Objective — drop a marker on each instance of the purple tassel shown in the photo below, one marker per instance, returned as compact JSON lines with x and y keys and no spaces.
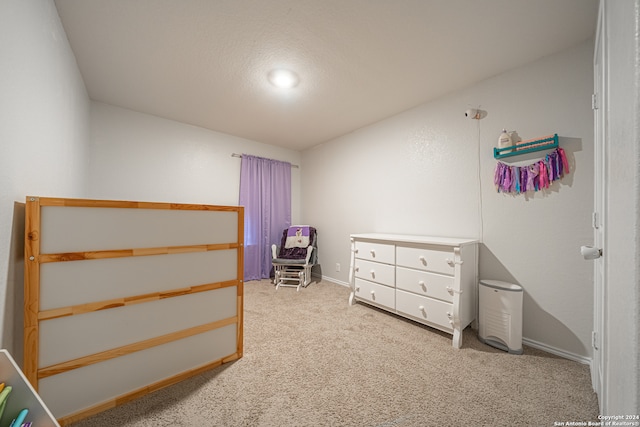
{"x":535,"y":177}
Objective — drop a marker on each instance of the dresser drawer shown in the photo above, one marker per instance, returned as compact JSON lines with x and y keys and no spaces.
{"x":378,"y":252}
{"x":424,"y":309}
{"x":375,"y":293}
{"x":430,"y":259}
{"x":375,"y":272}
{"x":425,"y":283}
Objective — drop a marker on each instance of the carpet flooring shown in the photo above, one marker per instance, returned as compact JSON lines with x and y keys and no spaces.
{"x":310,"y":359}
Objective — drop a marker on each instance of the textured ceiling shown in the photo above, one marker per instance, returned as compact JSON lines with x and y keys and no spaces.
{"x":205,"y":62}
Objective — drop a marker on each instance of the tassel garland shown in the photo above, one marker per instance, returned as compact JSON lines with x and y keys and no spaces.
{"x":534,"y":177}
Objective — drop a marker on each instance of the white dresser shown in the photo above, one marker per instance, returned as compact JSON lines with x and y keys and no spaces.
{"x":431,"y":280}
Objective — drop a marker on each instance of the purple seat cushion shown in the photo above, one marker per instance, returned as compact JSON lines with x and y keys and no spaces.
{"x":295,"y":253}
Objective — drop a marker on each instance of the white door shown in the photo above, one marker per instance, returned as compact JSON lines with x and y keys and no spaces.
{"x":599,"y":214}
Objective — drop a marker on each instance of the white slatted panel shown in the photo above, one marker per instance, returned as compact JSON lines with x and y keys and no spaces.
{"x":81,"y":388}
{"x":71,"y":283}
{"x":83,"y":229}
{"x":71,"y":337}
{"x":127,"y":292}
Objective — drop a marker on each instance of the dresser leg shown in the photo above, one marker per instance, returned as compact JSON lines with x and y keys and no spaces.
{"x":351,"y":298}
{"x":457,"y":338}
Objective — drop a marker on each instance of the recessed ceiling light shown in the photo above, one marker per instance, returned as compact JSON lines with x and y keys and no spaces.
{"x":283,"y":78}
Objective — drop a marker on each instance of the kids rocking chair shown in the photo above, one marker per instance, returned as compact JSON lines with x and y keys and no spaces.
{"x":293,"y":259}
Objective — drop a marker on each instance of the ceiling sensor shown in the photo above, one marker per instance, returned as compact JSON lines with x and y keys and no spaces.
{"x":284,"y":79}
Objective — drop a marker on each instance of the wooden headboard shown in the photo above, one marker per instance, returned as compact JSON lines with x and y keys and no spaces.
{"x":123,"y":298}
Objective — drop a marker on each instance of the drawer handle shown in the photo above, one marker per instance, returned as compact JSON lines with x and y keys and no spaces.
{"x":357,"y":268}
{"x":373,"y":295}
{"x":452,"y":262}
{"x":358,"y":289}
{"x":422,"y":285}
{"x":373,"y":253}
{"x":422,"y":259}
{"x":373,"y":273}
{"x":421,"y":307}
{"x":450,"y":318}
{"x":452,"y":291}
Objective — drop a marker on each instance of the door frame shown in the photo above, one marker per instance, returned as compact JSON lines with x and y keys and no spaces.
{"x":601,"y":146}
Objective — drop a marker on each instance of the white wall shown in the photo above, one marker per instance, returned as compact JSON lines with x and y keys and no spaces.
{"x":622,"y":308}
{"x":136,"y":156}
{"x":44,"y":111}
{"x":418,"y":173}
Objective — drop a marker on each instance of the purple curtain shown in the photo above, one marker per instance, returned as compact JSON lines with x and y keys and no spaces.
{"x":265,"y":193}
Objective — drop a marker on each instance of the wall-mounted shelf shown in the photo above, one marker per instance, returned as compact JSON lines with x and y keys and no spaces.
{"x":546,"y":143}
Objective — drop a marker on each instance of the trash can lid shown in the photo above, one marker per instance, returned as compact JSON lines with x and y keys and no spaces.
{"x":501,"y":285}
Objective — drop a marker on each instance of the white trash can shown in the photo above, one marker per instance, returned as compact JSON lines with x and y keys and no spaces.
{"x":500,"y":315}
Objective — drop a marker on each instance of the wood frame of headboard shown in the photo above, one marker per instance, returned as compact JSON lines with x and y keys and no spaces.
{"x":94,"y":304}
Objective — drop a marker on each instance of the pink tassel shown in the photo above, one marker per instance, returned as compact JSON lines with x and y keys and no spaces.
{"x":543,"y":176}
{"x":565,"y":162}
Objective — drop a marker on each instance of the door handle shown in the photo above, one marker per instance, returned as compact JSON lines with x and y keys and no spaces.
{"x":589,"y":252}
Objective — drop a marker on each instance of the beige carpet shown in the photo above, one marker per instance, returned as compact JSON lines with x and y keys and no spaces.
{"x":312,"y":360}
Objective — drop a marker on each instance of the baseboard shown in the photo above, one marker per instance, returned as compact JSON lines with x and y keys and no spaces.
{"x":553,"y":350}
{"x":332,"y":280}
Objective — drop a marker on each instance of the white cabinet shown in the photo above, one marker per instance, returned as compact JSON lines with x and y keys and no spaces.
{"x":431,"y":280}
